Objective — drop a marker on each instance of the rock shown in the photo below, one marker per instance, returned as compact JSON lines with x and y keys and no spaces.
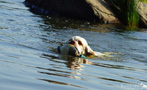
{"x":102,"y":10}
{"x":95,"y":10}
{"x":142,"y":10}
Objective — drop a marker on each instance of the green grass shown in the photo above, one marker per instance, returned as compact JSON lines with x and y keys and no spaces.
{"x":126,"y":11}
{"x":132,"y":14}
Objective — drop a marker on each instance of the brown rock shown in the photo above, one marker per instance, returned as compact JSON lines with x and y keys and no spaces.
{"x":142,"y":9}
{"x":103,"y":11}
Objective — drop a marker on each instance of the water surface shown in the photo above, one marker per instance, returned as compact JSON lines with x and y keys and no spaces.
{"x":28,"y":60}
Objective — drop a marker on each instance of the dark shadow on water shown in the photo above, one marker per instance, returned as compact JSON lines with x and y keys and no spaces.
{"x":67,"y":23}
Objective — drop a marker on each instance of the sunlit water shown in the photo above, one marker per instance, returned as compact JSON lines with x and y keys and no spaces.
{"x":28,"y":60}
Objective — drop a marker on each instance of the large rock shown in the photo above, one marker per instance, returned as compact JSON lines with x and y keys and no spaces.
{"x":142,"y":9}
{"x":103,"y":11}
{"x":97,"y":10}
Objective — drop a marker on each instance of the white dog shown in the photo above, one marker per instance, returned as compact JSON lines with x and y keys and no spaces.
{"x":80,"y":45}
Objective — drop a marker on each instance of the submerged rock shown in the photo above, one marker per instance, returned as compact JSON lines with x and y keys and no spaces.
{"x":96,"y":10}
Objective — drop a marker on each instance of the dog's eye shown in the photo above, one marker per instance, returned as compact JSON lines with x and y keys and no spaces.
{"x":80,"y":43}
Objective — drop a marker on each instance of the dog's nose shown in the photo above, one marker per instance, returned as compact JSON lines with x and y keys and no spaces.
{"x":72,"y":42}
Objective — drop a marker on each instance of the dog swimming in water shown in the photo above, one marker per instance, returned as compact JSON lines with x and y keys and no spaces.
{"x":77,"y":46}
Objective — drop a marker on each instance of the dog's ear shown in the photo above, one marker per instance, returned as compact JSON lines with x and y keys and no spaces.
{"x":89,"y":51}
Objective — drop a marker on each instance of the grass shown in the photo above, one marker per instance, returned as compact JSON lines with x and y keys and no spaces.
{"x":132,"y":14}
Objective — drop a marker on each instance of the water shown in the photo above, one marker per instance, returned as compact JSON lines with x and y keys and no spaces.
{"x":28,"y":60}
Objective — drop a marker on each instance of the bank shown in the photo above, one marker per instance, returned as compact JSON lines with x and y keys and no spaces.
{"x":92,"y":10}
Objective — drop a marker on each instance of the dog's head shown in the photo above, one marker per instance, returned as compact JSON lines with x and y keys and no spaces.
{"x":81,"y":44}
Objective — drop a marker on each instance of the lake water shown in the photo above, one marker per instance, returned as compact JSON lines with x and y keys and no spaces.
{"x":28,"y":60}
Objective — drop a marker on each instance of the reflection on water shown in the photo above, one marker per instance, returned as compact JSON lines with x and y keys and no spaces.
{"x":28,"y":57}
{"x":73,"y":63}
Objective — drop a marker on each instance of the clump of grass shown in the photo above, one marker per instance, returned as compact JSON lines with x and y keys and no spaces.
{"x":132,"y":14}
